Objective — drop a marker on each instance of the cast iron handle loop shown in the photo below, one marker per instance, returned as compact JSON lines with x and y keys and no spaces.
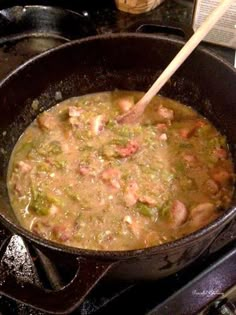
{"x":221,"y":240}
{"x":150,"y":26}
{"x":62,"y":301}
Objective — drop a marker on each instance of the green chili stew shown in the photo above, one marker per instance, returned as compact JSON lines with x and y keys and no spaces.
{"x":79,"y":178}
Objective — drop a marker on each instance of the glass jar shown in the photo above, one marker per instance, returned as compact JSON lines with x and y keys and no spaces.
{"x":137,"y":6}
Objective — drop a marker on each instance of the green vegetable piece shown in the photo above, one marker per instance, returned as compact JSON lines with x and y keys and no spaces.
{"x":164,"y":210}
{"x":40,"y":204}
{"x":109,"y":151}
{"x":49,"y":149}
{"x":180,"y":167}
{"x":204,"y":131}
{"x":217,"y":142}
{"x":211,"y":159}
{"x":25,"y":148}
{"x":167,"y":176}
{"x":188,"y":183}
{"x":55,"y":148}
{"x":111,"y":124}
{"x":56,"y":201}
{"x":145,"y":209}
{"x":63,"y":115}
{"x":74,"y":196}
{"x":125,"y":131}
{"x":34,"y":191}
{"x":59,"y":164}
{"x":80,"y":135}
{"x":34,"y":155}
{"x":86,"y":148}
{"x":119,"y":141}
{"x":185,"y":145}
{"x":43,"y":167}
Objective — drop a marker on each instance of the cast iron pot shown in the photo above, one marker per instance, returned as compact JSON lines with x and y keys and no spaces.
{"x":104,"y":63}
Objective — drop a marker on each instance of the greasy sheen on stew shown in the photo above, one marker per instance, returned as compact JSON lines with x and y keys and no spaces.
{"x":79,"y":178}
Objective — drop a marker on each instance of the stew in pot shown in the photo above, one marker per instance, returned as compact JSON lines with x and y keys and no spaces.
{"x":79,"y":178}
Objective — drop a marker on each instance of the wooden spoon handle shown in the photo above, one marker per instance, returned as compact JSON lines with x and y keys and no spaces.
{"x":187,"y":49}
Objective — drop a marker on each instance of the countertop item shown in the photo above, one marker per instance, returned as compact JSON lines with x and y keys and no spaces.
{"x":137,"y":6}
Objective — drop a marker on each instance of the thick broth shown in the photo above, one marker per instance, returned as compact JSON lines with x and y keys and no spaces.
{"x":79,"y":178}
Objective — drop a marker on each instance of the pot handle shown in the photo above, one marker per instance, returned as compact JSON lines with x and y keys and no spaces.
{"x":225,"y":237}
{"x":150,"y":26}
{"x":62,"y":301}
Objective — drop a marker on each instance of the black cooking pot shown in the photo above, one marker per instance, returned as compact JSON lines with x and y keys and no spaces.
{"x":103,"y":63}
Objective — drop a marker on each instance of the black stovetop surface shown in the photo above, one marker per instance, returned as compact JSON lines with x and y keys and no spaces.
{"x":116,"y":298}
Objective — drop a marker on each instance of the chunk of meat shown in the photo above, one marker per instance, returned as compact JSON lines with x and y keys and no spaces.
{"x":148,"y":200}
{"x":128,"y":219}
{"x":125,"y":104}
{"x":190,"y":159}
{"x":75,"y":122}
{"x":131,"y":148}
{"x":74,"y":111}
{"x":161,"y":127}
{"x":131,"y":194}
{"x":165,"y":113}
{"x":202,"y":208}
{"x":179,"y":213}
{"x":41,"y":228}
{"x":220,"y":153}
{"x":63,"y":232}
{"x":187,"y":132}
{"x":212,"y":186}
{"x":65,"y":147}
{"x":151,"y":238}
{"x":202,"y":214}
{"x":200,"y":123}
{"x":137,"y":227}
{"x":19,"y":188}
{"x":20,"y":178}
{"x":163,"y":137}
{"x":221,"y":177}
{"x":110,"y":173}
{"x":47,"y":121}
{"x":83,"y":170}
{"x":111,"y":176}
{"x":53,"y":210}
{"x":68,"y":134}
{"x":24,"y":167}
{"x":97,"y":124}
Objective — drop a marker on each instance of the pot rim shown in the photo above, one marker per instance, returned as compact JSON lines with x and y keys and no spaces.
{"x":217,"y":224}
{"x":76,"y":42}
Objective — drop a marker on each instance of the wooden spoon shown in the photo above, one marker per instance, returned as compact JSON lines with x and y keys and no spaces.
{"x":136,"y":112}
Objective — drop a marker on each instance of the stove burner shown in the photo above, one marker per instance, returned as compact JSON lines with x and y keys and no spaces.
{"x":30,"y":30}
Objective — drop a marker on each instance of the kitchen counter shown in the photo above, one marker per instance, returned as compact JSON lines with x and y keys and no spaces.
{"x":169,"y":13}
{"x":177,"y":13}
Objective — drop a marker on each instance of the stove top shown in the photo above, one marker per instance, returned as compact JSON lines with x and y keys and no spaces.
{"x":20,"y":39}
